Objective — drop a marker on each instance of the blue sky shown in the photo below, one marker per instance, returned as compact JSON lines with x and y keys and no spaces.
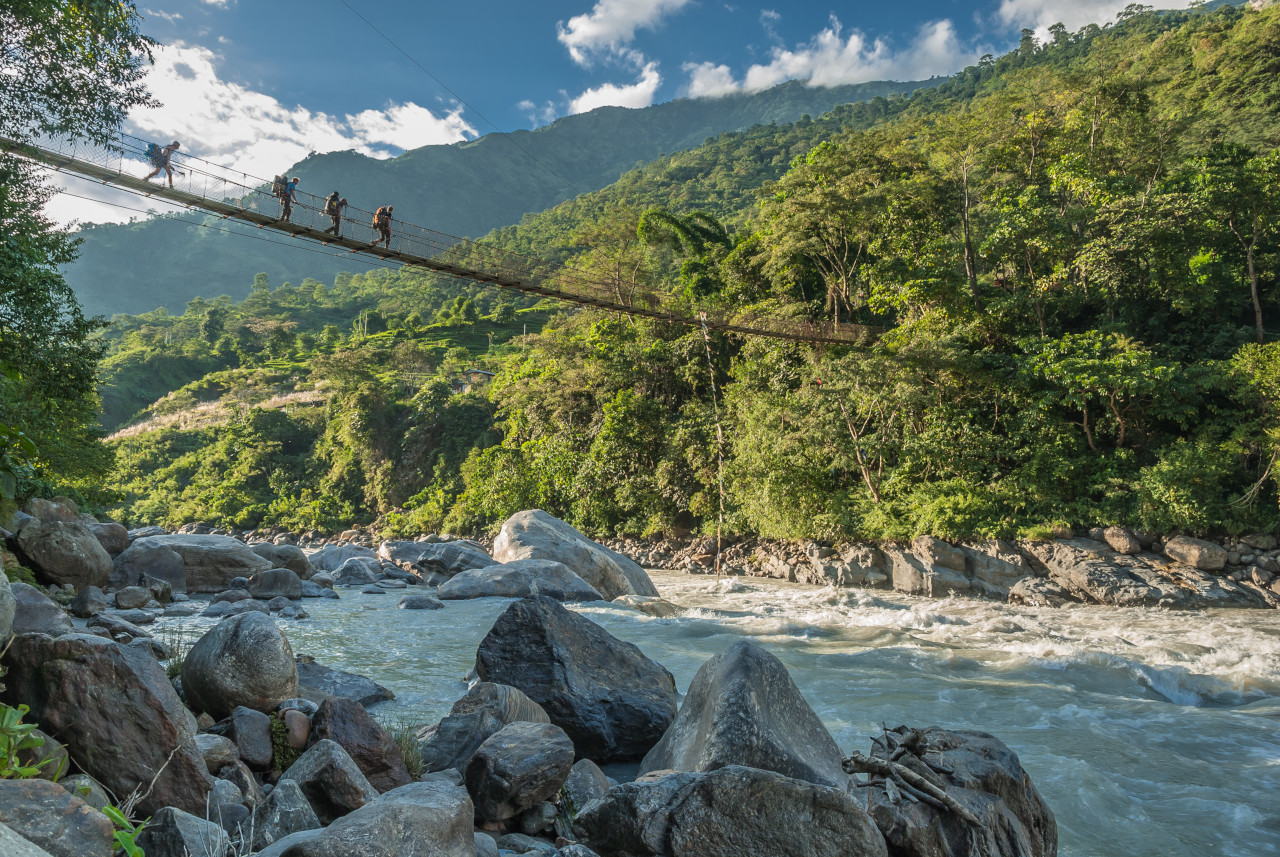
{"x":259,"y":84}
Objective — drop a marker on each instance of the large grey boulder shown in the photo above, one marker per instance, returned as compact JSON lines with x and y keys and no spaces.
{"x":444,"y":559}
{"x":614,"y":702}
{"x":371,"y":747}
{"x":147,"y":559}
{"x":519,"y":579}
{"x":916,"y":576}
{"x":730,"y":812}
{"x":276,"y":583}
{"x":209,"y":562}
{"x":332,"y":557}
{"x":65,"y":552}
{"x":995,"y":566}
{"x":932,"y":551}
{"x":113,"y":537}
{"x":585,"y":783}
{"x":37,"y":613}
{"x":534,"y":534}
{"x":485,"y":709}
{"x":243,"y":660}
{"x":357,"y":571}
{"x":330,"y":781}
{"x":49,"y":816}
{"x":316,"y":681}
{"x":517,"y":768}
{"x":1196,"y":553}
{"x":285,"y":556}
{"x":427,"y":819}
{"x":8,"y":605}
{"x":116,"y":712}
{"x":984,"y":776}
{"x":285,"y":811}
{"x":1122,"y":540}
{"x":174,"y":833}
{"x":742,"y":708}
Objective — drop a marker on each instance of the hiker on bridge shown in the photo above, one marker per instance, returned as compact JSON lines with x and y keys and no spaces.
{"x":285,"y":190}
{"x":160,"y":157}
{"x":333,"y":207}
{"x":382,"y":225}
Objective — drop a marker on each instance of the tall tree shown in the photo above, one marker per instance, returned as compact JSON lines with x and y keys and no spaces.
{"x":68,"y":68}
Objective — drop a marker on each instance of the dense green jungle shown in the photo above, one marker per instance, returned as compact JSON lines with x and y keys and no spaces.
{"x":1070,"y":254}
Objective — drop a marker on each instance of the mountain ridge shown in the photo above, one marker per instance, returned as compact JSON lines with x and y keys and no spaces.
{"x":466,"y":189}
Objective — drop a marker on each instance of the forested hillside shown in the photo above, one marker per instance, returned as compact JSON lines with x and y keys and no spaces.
{"x":465,"y":189}
{"x":1072,"y":251}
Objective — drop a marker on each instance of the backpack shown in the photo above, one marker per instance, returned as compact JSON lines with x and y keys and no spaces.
{"x":278,"y":186}
{"x":381,"y":218}
{"x":331,"y":204}
{"x":155,"y":155}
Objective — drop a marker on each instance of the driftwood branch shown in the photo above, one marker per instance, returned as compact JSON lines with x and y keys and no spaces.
{"x":892,"y":771}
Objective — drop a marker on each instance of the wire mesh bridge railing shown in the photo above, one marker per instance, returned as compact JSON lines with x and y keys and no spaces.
{"x":230,"y":193}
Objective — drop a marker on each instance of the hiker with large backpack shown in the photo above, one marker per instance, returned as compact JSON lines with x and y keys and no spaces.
{"x":160,"y":157}
{"x":284,"y":189}
{"x":382,"y":226}
{"x":333,"y":207}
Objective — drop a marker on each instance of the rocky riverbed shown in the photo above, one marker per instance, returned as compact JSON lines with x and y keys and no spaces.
{"x":724,"y":712}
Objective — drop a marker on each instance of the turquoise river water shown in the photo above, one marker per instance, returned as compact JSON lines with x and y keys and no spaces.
{"x":1148,"y":732}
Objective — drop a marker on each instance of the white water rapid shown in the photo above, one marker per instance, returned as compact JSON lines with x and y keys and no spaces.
{"x":1147,"y":732}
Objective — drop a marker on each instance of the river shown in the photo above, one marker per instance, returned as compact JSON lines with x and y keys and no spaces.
{"x":1148,"y":732}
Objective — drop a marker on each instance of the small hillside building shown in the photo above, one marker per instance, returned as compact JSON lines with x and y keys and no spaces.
{"x":471,"y":379}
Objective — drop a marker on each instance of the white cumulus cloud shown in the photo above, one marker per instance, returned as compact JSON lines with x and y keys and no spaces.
{"x":638,"y":94}
{"x":237,"y":127}
{"x":834,"y":57}
{"x":229,"y":123}
{"x":611,"y":25}
{"x":1074,"y":14}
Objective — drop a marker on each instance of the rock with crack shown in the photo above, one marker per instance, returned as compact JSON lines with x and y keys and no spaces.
{"x":742,"y":708}
{"x":613,"y":702}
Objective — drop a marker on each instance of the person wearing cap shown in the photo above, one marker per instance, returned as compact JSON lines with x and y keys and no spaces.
{"x":333,"y":207}
{"x":161,"y":161}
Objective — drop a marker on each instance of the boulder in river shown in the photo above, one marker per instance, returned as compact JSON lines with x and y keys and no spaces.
{"x":485,"y":709}
{"x":276,"y":583}
{"x":534,"y":534}
{"x":519,"y":579}
{"x":432,"y":818}
{"x":983,"y":776}
{"x":371,"y":747}
{"x":730,"y":812}
{"x":243,"y":660}
{"x":916,"y":576}
{"x":443,"y":558}
{"x":614,"y":702}
{"x":517,"y":768}
{"x":117,"y":713}
{"x":208,"y":562}
{"x":65,"y":552}
{"x":316,"y":681}
{"x":285,"y":556}
{"x":113,"y":537}
{"x":357,"y":571}
{"x":332,"y":557}
{"x":35,"y":612}
{"x":742,"y":708}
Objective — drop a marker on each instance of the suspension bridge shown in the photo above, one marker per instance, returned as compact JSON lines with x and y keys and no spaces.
{"x":230,"y":194}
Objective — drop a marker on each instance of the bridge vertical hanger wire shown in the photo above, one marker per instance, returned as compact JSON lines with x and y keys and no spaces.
{"x":715,"y":409}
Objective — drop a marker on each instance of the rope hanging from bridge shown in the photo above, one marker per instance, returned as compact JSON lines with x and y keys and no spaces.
{"x":230,"y":193}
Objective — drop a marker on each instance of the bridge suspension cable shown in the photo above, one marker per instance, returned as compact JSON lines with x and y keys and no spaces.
{"x":238,"y":195}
